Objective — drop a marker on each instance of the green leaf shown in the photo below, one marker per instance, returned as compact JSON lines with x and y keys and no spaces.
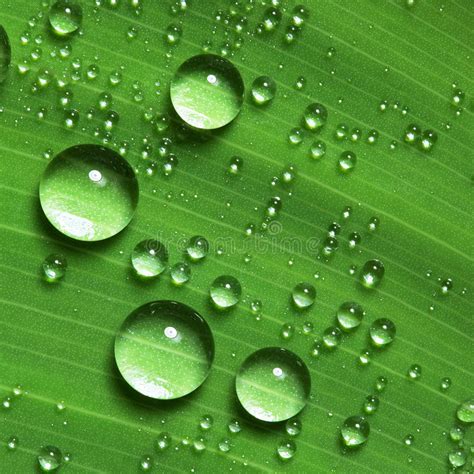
{"x":56,"y":340}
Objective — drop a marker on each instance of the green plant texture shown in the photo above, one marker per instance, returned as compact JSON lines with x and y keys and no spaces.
{"x":282,"y":198}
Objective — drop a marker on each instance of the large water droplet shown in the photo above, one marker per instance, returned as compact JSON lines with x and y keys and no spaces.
{"x":225,"y":291}
{"x":207,"y":91}
{"x":349,"y":315}
{"x":355,"y":431}
{"x":65,"y":16}
{"x":382,"y":332}
{"x":263,"y":90}
{"x":164,"y":350}
{"x":372,"y":273}
{"x":149,"y":258}
{"x":49,"y":458}
{"x":273,"y":384}
{"x":5,"y":54}
{"x":89,"y":192}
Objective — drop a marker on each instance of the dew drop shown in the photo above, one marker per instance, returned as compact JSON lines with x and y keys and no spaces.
{"x":197,"y":247}
{"x":457,"y":458}
{"x":456,"y":433}
{"x":372,"y":273}
{"x":303,"y":295}
{"x":164,"y":350}
{"x":287,"y":331}
{"x":207,"y":92}
{"x":149,"y":258}
{"x":234,"y":426}
{"x":206,"y":422}
{"x":89,"y":192}
{"x":374,"y":223}
{"x":146,"y":463}
{"x":412,"y":133}
{"x":224,"y":445}
{"x":65,"y":17}
{"x":273,"y":384}
{"x":355,"y":431}
{"x":414,"y":372}
{"x":5,"y":54}
{"x":235,"y":165}
{"x":163,"y":441}
{"x":371,"y":404}
{"x":54,"y":267}
{"x":332,"y":337}
{"x":263,"y":90}
{"x":49,"y":458}
{"x":12,"y":443}
{"x":180,"y":273}
{"x":382,"y":332}
{"x":428,"y":140}
{"x":408,"y":440}
{"x":347,"y":161}
{"x":225,"y":291}
{"x":465,"y":411}
{"x":445,"y":384}
{"x":293,"y":427}
{"x":315,"y":116}
{"x":286,"y":450}
{"x":380,"y":383}
{"x":318,"y":149}
{"x":349,"y":315}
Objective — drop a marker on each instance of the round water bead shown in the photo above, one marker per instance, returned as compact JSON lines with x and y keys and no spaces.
{"x":349,"y":315}
{"x":225,"y":291}
{"x":355,"y":431}
{"x":347,"y":161}
{"x":303,"y":295}
{"x":65,"y":16}
{"x":207,"y":92}
{"x":164,"y":350}
{"x":198,"y":247}
{"x":414,"y":372}
{"x":163,"y":441}
{"x":315,"y":116}
{"x":54,"y":267}
{"x":263,"y":90}
{"x":180,"y":273}
{"x":465,"y":411}
{"x":382,"y":332}
{"x":318,"y":149}
{"x":332,"y":337}
{"x":5,"y":54}
{"x":286,"y":450}
{"x":371,"y":404}
{"x":293,"y":427}
{"x":273,"y":384}
{"x":457,"y":458}
{"x":372,"y":273}
{"x":149,"y":258}
{"x":49,"y":458}
{"x":89,"y":192}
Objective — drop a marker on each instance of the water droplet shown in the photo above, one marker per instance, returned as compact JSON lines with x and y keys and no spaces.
{"x":263,"y":90}
{"x":355,"y":431}
{"x":303,"y":295}
{"x":173,"y":34}
{"x":234,"y":426}
{"x":149,"y":258}
{"x":12,"y":443}
{"x":414,"y":372}
{"x":456,"y":433}
{"x":49,"y":458}
{"x":293,"y":427}
{"x":465,"y":411}
{"x":428,"y":140}
{"x":54,"y":267}
{"x":446,"y":286}
{"x":207,"y":92}
{"x":197,"y":248}
{"x":225,"y":445}
{"x":235,"y":165}
{"x":206,"y":422}
{"x":287,"y":331}
{"x":271,"y":18}
{"x":164,"y":350}
{"x":382,"y":332}
{"x":163,"y":441}
{"x":372,"y":137}
{"x":332,"y":337}
{"x":315,"y":116}
{"x":199,"y":445}
{"x":458,"y":97}
{"x":341,"y":132}
{"x":225,"y":291}
{"x":89,"y":192}
{"x":347,"y":161}
{"x":371,"y":404}
{"x":65,"y":16}
{"x":412,"y":133}
{"x":380,"y":383}
{"x":408,"y":439}
{"x":364,"y":357}
{"x":180,"y":273}
{"x":146,"y":463}
{"x":273,"y":384}
{"x":372,"y":273}
{"x":374,"y":223}
{"x":295,"y":137}
{"x":445,"y":384}
{"x":349,"y":315}
{"x":5,"y":54}
{"x":354,"y":239}
{"x":318,"y":149}
{"x":286,"y":450}
{"x":457,"y":458}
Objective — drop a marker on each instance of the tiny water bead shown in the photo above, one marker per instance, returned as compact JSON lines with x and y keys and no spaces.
{"x":414,"y":372}
{"x":293,"y":427}
{"x":263,"y":90}
{"x":371,"y":404}
{"x":456,"y":433}
{"x":382,"y":332}
{"x":349,"y":315}
{"x":180,"y":273}
{"x":54,"y":267}
{"x":303,"y":295}
{"x":465,"y":411}
{"x":146,"y":463}
{"x":207,"y":92}
{"x":318,"y":149}
{"x":445,"y":384}
{"x":409,"y":439}
{"x":428,"y":140}
{"x":372,"y":273}
{"x":163,"y":441}
{"x":12,"y":443}
{"x":273,"y":384}
{"x":206,"y":422}
{"x":164,"y":350}
{"x":197,"y":247}
{"x":347,"y":161}
{"x":49,"y":458}
{"x":225,"y":291}
{"x":89,"y":192}
{"x":412,"y":133}
{"x":332,"y":337}
{"x":65,"y":16}
{"x":380,"y":384}
{"x":286,"y":450}
{"x":315,"y":116}
{"x":355,"y":431}
{"x":5,"y":54}
{"x":149,"y":258}
{"x":234,"y":426}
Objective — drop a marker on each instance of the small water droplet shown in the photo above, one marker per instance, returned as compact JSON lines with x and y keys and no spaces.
{"x":197,"y":248}
{"x":465,"y":411}
{"x":372,"y":273}
{"x":163,"y":441}
{"x":303,"y":295}
{"x":355,"y":431}
{"x":332,"y":337}
{"x":382,"y":332}
{"x":234,"y":426}
{"x":380,"y":383}
{"x":445,"y":384}
{"x":65,"y":16}
{"x":54,"y":267}
{"x":318,"y":149}
{"x":286,"y":450}
{"x":414,"y":372}
{"x":263,"y":90}
{"x":408,"y":440}
{"x":206,"y":422}
{"x":49,"y":458}
{"x":293,"y":427}
{"x":149,"y":258}
{"x":347,"y":161}
{"x":457,"y":458}
{"x":180,"y":273}
{"x":12,"y":443}
{"x":349,"y":315}
{"x":225,"y":291}
{"x":315,"y":116}
{"x":146,"y":463}
{"x":371,"y":404}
